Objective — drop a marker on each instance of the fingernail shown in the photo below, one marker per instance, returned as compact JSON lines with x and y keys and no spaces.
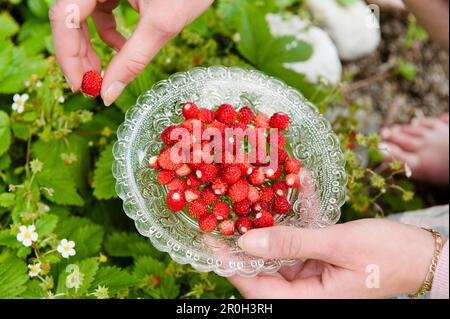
{"x":70,"y":84}
{"x":384,"y":148}
{"x":255,"y":242}
{"x":113,"y":92}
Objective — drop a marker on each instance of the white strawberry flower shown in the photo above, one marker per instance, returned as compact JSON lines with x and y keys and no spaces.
{"x":27,"y":235}
{"x":19,"y":102}
{"x":66,"y":248}
{"x":35,"y":269}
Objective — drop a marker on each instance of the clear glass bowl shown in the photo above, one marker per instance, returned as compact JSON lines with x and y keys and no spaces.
{"x":310,"y":135}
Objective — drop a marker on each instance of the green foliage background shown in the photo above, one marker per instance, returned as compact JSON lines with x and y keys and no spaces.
{"x":55,"y":158}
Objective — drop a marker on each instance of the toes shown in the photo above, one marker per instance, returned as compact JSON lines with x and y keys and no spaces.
{"x":395,"y":152}
{"x":408,"y":142}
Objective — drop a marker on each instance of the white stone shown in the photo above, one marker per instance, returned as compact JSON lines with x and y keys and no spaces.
{"x":324,"y":62}
{"x":354,"y":29}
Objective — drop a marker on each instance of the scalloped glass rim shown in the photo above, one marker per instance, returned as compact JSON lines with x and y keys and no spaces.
{"x":138,"y":138}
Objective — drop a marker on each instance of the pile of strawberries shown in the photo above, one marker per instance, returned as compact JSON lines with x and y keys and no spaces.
{"x":236,"y":195}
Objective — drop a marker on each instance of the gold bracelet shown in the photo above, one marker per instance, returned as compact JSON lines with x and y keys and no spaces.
{"x":428,"y":282}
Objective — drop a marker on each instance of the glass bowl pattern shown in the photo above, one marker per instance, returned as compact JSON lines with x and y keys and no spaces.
{"x":310,"y":136}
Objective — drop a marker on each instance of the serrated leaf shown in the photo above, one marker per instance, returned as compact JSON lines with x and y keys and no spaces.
{"x":5,"y":132}
{"x":31,"y":34}
{"x":13,"y":276}
{"x":46,"y":224}
{"x":8,"y":26}
{"x":23,"y":251}
{"x":64,"y":189}
{"x":7,"y":199}
{"x":104,"y":182}
{"x":34,"y":291}
{"x":68,"y":225}
{"x":39,"y":8}
{"x":130,"y":245}
{"x":89,"y":268}
{"x":8,"y":238}
{"x":114,"y":279}
{"x":88,"y":240}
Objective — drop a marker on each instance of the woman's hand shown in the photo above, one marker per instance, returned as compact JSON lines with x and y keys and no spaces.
{"x":160,"y":20}
{"x":369,"y":258}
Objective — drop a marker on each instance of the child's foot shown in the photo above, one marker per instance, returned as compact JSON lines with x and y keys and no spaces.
{"x":423,"y":145}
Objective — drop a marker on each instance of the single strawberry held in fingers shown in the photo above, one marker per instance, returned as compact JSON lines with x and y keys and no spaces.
{"x":92,"y":83}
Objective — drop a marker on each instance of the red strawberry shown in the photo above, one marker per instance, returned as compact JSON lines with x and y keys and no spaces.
{"x":281,"y":205}
{"x":206,"y":116}
{"x":175,"y":201}
{"x":165,"y":160}
{"x":191,"y":195}
{"x":277,"y":139}
{"x":242,"y":208}
{"x":198,"y":208}
{"x":183,"y":171}
{"x":238,"y":191}
{"x":263,"y":219}
{"x":92,"y":83}
{"x":260,"y":206}
{"x":292,"y":181}
{"x":193,"y":124}
{"x":190,"y":110}
{"x":272,"y":174}
{"x":193,"y":181}
{"x":153,"y":162}
{"x":253,"y":194}
{"x":227,"y":227}
{"x":208,"y":223}
{"x":177,"y":185}
{"x":246,"y":115}
{"x":266,"y":194}
{"x":257,"y":178}
{"x":279,"y":188}
{"x":166,"y":135}
{"x":246,"y":169}
{"x":237,"y":128}
{"x":221,"y":210}
{"x":231,"y":174}
{"x":226,"y":114}
{"x":212,"y":129}
{"x":165,"y":177}
{"x":292,"y":166}
{"x":279,"y":121}
{"x":262,"y":121}
{"x":282,"y":156}
{"x":219,"y":187}
{"x":207,"y":173}
{"x":208,"y":196}
{"x":243,"y":225}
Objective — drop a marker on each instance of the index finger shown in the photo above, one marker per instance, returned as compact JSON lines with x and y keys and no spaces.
{"x":66,"y":18}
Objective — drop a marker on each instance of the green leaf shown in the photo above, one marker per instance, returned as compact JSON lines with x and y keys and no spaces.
{"x":7,"y":199}
{"x":114,"y":278}
{"x":39,"y":8}
{"x":6,"y":56}
{"x":8,"y":238}
{"x":346,"y":3}
{"x":23,"y":252}
{"x":21,"y":131}
{"x":34,"y":291}
{"x":31,"y":34}
{"x":5,"y":162}
{"x":5,"y":132}
{"x":104,"y":182}
{"x":8,"y":26}
{"x":64,"y":189}
{"x":88,"y":240}
{"x":130,"y":245}
{"x":13,"y":277}
{"x":46,"y":224}
{"x":89,"y":268}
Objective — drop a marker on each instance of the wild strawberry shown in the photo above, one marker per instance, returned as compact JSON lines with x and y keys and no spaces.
{"x":219,"y":187}
{"x":214,"y":128}
{"x":266,"y":194}
{"x":263,"y":219}
{"x":279,"y":121}
{"x":92,"y":83}
{"x":191,"y":194}
{"x":253,"y":194}
{"x":208,"y":196}
{"x":153,"y":162}
{"x":242,"y":208}
{"x":177,"y":185}
{"x":292,"y":181}
{"x":257,"y":178}
{"x":190,"y":110}
{"x":246,"y":115}
{"x":231,"y":174}
{"x":227,"y":227}
{"x":261,"y":206}
{"x":165,"y":177}
{"x":207,"y":173}
{"x":279,"y":188}
{"x":272,"y":174}
{"x":193,"y":124}
{"x":226,"y":114}
{"x":259,"y":157}
{"x":281,"y":205}
{"x":166,"y":135}
{"x":238,"y":191}
{"x":193,"y":181}
{"x":239,"y":129}
{"x":292,"y":166}
{"x":262,"y":121}
{"x":175,"y":201}
{"x":198,"y":208}
{"x":208,"y":223}
{"x":183,"y":171}
{"x":278,"y":140}
{"x":206,"y":116}
{"x":165,"y":159}
{"x":221,"y":210}
{"x":243,"y":225}
{"x":282,"y":156}
{"x":246,"y":169}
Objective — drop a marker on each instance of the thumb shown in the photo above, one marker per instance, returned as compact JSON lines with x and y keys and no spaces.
{"x":295,"y":243}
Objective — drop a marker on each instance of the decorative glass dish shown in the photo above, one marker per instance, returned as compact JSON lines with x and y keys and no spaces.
{"x":310,"y":136}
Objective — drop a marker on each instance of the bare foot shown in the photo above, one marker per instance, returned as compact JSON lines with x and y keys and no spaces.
{"x":423,"y":145}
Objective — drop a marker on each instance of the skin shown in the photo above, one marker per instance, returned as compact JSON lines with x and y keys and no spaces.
{"x":160,"y":21}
